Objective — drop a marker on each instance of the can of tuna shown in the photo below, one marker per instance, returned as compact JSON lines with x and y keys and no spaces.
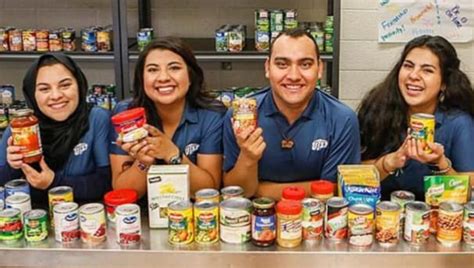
{"x":11,"y":228}
{"x":128,"y":224}
{"x":449,"y":231}
{"x":66,"y":222}
{"x":180,"y":222}
{"x":417,"y":222}
{"x":360,"y":221}
{"x":15,"y":186}
{"x":232,"y":191}
{"x":387,"y":223}
{"x":19,"y":201}
{"x":207,"y":194}
{"x":42,"y":40}
{"x":335,"y":218}
{"x":92,"y":223}
{"x":58,"y":195}
{"x":36,"y":225}
{"x":422,"y":128}
{"x":235,"y":220}
{"x":402,"y":198}
{"x":29,"y":40}
{"x":206,"y":217}
{"x":468,"y":223}
{"x":312,"y":219}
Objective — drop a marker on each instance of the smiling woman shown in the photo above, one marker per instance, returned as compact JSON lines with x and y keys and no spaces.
{"x":74,"y":136}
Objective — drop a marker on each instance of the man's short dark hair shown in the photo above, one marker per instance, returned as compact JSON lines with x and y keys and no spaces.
{"x":295,"y":33}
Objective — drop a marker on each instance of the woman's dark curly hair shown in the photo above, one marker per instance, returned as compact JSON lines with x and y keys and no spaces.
{"x":383,"y":113}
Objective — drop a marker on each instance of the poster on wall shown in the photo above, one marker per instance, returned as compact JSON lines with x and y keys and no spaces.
{"x":402,"y":20}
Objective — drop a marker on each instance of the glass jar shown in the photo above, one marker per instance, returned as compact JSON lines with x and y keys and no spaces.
{"x":263,"y":222}
{"x":26,"y":135}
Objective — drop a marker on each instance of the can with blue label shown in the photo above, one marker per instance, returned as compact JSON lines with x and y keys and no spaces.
{"x":128,"y":224}
{"x":16,"y":186}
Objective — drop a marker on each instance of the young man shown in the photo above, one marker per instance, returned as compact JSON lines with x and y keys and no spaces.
{"x":303,"y":134}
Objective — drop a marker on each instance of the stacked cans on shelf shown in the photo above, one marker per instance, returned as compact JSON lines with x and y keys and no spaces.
{"x":231,"y":38}
{"x":269,"y":23}
{"x":93,"y":39}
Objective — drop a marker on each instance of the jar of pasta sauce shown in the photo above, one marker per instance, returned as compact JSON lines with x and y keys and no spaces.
{"x":26,"y":135}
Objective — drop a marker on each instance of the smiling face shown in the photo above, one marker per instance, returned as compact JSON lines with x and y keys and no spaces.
{"x":419,"y":80}
{"x":56,"y":92}
{"x":293,"y":70}
{"x":165,"y":77}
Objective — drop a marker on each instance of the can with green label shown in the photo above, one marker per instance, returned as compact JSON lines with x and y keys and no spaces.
{"x":36,"y":225}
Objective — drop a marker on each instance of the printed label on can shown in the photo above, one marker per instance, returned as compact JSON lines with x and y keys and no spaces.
{"x":36,"y":225}
{"x":11,"y":228}
{"x":235,"y":225}
{"x":128,"y":224}
{"x":207,"y":225}
{"x":449,"y":229}
{"x":312,"y":222}
{"x":336,"y":223}
{"x":417,"y":225}
{"x":180,"y":226}
{"x":66,"y":222}
{"x":361,"y":228}
{"x":387,"y":226}
{"x":93,"y":228}
{"x":468,"y":224}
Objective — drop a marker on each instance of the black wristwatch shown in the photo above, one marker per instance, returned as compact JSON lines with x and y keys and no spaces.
{"x":177,"y":159}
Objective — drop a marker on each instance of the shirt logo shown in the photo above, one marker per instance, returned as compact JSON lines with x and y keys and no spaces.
{"x":191,"y":148}
{"x":319,"y":144}
{"x":80,"y":148}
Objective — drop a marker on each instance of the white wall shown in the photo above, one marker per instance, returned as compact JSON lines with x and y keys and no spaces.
{"x":363,"y":61}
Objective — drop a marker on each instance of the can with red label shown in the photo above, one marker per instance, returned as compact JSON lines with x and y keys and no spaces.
{"x":128,"y":224}
{"x":312,"y":219}
{"x":92,"y":223}
{"x":66,"y":222}
{"x":335,"y":218}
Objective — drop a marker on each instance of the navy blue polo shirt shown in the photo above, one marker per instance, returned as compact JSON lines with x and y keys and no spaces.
{"x":455,"y":131}
{"x":199,"y":132}
{"x":325,"y":136}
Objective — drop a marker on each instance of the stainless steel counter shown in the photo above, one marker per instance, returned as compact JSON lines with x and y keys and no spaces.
{"x":154,"y":250}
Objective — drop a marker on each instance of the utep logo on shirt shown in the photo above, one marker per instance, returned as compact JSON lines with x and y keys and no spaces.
{"x":319,"y":144}
{"x":80,"y":148}
{"x":191,"y":148}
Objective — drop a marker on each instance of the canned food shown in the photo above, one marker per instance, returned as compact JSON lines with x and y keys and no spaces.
{"x":89,"y":39}
{"x":422,"y":128}
{"x":11,"y":228}
{"x":20,"y":201}
{"x":36,"y":225}
{"x":206,"y":217}
{"x":58,"y":195}
{"x":68,"y":37}
{"x":335,"y":219}
{"x":180,"y":222}
{"x":92,"y":223}
{"x":29,"y":40}
{"x":244,"y":114}
{"x":263,"y":222}
{"x":116,"y":198}
{"x":312,"y":222}
{"x":232,"y":191}
{"x":16,"y":186}
{"x":208,"y":194}
{"x":104,"y":40}
{"x":42,"y":40}
{"x":4,"y":42}
{"x":360,"y":221}
{"x":235,"y":217}
{"x":66,"y":222}
{"x":417,"y":222}
{"x":387,"y":223}
{"x":468,"y":223}
{"x":449,"y":231}
{"x":402,"y":198}
{"x":144,"y":37}
{"x":128,"y":224}
{"x":15,"y":40}
{"x":55,"y":41}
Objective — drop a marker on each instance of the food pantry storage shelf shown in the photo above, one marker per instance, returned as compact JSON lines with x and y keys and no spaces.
{"x":82,"y":56}
{"x":155,"y":250}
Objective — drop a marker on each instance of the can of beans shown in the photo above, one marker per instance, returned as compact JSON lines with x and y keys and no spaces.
{"x":235,"y":216}
{"x":42,"y":40}
{"x":335,"y":218}
{"x":16,"y":186}
{"x":360,"y":221}
{"x":402,"y":198}
{"x":417,"y":222}
{"x":116,"y":198}
{"x":312,"y":223}
{"x":206,"y":217}
{"x":468,"y":223}
{"x":180,"y":222}
{"x":422,"y":128}
{"x":244,"y":114}
{"x":92,"y":223}
{"x":450,"y":218}
{"x":387,"y":223}
{"x":207,"y":194}
{"x":19,"y":201}
{"x":58,"y":195}
{"x":36,"y":225}
{"x":232,"y":191}
{"x":11,"y":228}
{"x":66,"y":222}
{"x":29,"y":40}
{"x":128,"y":224}
{"x":15,"y":40}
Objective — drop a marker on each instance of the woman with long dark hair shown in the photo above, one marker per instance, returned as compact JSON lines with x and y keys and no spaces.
{"x":426,"y":79}
{"x":74,"y":135}
{"x":184,"y":123}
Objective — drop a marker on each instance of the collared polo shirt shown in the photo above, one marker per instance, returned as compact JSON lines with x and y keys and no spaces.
{"x":325,"y":136}
{"x":199,"y":132}
{"x":455,"y":131}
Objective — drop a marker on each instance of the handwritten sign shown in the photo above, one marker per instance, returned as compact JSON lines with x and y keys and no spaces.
{"x":402,"y":20}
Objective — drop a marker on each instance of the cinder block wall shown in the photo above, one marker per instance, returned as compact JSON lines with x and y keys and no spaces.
{"x":363,"y":61}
